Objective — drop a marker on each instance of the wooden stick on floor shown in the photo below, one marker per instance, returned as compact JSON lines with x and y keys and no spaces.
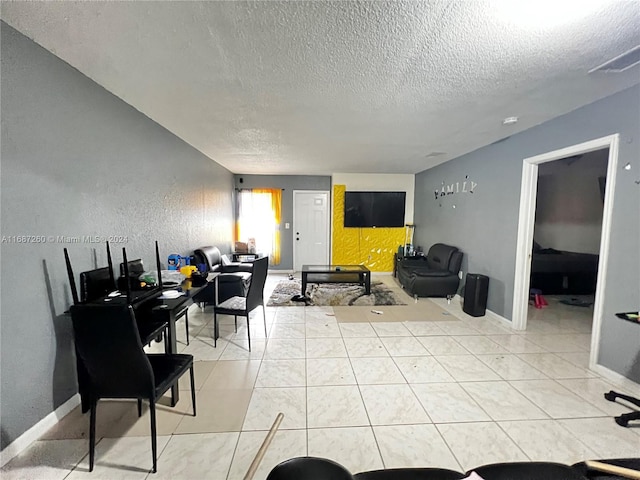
{"x":263,"y":448}
{"x":614,"y":469}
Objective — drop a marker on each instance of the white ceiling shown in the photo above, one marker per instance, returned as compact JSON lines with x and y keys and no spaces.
{"x":340,"y":87}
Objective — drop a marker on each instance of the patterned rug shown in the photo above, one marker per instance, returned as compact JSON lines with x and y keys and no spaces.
{"x":332,"y":294}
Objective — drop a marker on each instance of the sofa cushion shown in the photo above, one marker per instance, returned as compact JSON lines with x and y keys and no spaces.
{"x":439,"y":256}
{"x":410,"y":474}
{"x":527,"y":471}
{"x":425,"y":272}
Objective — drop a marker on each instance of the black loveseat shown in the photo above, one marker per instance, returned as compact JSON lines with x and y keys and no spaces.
{"x":433,"y":275}
{"x":233,"y":280}
{"x":312,"y":468}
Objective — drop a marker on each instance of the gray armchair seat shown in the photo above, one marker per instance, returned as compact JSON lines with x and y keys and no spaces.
{"x":433,"y":275}
{"x":233,"y":280}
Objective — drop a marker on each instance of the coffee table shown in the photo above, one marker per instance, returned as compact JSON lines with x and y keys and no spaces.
{"x":336,"y":274}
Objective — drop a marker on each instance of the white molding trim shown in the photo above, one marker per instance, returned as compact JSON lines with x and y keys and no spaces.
{"x":503,"y":320}
{"x":526,"y":226}
{"x":23,"y":442}
{"x":616,"y":378}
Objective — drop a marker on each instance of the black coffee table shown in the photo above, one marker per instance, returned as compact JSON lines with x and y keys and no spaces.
{"x":336,"y":274}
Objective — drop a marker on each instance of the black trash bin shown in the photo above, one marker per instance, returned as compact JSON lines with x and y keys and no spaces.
{"x":476,"y":289}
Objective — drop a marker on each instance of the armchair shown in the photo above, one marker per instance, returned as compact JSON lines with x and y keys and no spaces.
{"x":435,"y":275}
{"x":233,"y":280}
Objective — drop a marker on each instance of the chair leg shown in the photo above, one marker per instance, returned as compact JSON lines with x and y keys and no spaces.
{"x":139,"y":407}
{"x":92,"y":433}
{"x":215,"y":329}
{"x":235,"y":321}
{"x":193,"y":390}
{"x":152,"y":414}
{"x":248,"y":332}
{"x":186,"y":324}
{"x":264,"y":316}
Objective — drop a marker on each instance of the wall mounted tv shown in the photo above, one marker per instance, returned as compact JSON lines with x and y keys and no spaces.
{"x":374,"y":209}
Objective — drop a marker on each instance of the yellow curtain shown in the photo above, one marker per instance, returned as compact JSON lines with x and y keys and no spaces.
{"x":276,"y":207}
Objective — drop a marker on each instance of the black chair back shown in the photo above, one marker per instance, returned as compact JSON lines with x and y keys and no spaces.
{"x":135,"y":267}
{"x":95,"y":284}
{"x":258,"y":279}
{"x":108,"y":343}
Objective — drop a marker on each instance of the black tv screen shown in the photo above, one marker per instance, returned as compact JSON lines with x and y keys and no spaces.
{"x":374,"y":209}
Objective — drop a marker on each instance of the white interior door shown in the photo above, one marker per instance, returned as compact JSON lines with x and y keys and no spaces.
{"x":310,"y":228}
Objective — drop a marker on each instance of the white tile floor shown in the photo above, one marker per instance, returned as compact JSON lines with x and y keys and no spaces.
{"x":442,"y":389}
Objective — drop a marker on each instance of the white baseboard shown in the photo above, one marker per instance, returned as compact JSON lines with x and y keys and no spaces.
{"x":505,"y":321}
{"x":614,"y":377}
{"x":23,"y":442}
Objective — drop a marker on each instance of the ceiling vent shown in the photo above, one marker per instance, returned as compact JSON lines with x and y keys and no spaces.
{"x":620,"y":63}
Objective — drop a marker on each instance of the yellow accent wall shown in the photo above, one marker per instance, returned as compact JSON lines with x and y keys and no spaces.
{"x":372,"y":247}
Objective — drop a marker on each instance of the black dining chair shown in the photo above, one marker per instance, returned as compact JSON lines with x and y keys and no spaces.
{"x":243,"y":306}
{"x":109,"y":346}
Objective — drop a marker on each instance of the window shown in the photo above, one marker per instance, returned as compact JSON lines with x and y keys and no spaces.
{"x":259,"y":215}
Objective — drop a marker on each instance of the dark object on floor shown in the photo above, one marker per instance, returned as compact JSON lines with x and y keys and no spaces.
{"x":435,"y":275}
{"x":476,"y":290}
{"x":576,"y":302}
{"x":108,"y":344}
{"x":301,"y":299}
{"x":311,"y":468}
{"x":624,"y":419}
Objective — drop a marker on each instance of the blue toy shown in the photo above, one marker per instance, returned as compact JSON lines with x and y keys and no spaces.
{"x":175,"y":261}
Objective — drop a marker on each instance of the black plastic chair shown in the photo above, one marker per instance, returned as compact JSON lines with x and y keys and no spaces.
{"x":243,"y":306}
{"x":309,"y":468}
{"x":109,"y":346}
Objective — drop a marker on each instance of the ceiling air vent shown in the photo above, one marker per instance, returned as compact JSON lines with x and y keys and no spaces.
{"x":620,"y":63}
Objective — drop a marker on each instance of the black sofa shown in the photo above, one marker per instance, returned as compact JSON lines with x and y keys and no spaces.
{"x":312,"y":468}
{"x":433,"y":275}
{"x":233,"y":280}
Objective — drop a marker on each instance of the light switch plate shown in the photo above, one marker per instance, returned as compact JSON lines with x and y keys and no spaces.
{"x":287,"y":225}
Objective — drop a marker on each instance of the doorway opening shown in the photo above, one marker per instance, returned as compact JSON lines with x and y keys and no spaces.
{"x":525,"y":242}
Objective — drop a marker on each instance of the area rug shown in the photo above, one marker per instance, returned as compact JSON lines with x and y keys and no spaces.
{"x":332,"y":294}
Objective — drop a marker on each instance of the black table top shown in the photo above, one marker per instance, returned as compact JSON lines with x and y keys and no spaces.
{"x":334,"y":269}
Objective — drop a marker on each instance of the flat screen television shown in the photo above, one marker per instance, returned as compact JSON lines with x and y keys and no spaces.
{"x":374,"y":209}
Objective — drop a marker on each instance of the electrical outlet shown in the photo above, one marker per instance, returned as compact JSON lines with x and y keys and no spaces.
{"x":460,"y":274}
{"x":287,"y":226}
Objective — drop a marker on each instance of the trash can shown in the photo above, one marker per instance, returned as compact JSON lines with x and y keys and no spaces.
{"x":476,"y":290}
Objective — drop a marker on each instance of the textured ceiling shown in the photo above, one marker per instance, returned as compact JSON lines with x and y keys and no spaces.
{"x":340,"y":87}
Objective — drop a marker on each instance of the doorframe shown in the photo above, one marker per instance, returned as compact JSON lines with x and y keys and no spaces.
{"x":528,"y":197}
{"x":329,"y":225}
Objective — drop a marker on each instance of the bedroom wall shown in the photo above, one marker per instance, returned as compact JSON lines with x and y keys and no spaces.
{"x":78,"y":161}
{"x":288,"y":183}
{"x":484,"y":224}
{"x":569,"y":206}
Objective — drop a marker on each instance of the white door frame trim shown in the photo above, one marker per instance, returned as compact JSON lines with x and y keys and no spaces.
{"x":526,"y":217}
{"x":293,"y":234}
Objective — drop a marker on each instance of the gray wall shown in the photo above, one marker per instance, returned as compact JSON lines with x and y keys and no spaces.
{"x":77,"y":161}
{"x":288,"y":183}
{"x":484,"y":224}
{"x":569,"y":203}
